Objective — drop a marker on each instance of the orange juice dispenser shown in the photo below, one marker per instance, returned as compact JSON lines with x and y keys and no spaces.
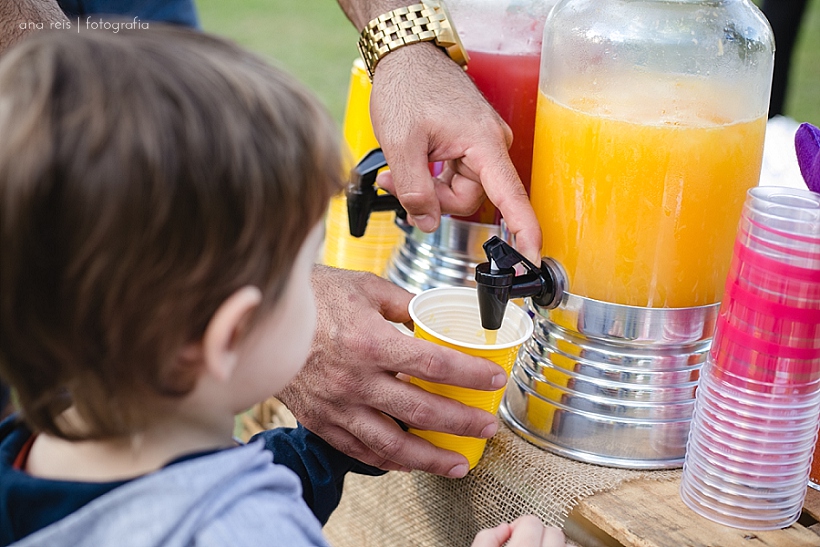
{"x":649,"y":131}
{"x":503,"y":40}
{"x":371,"y":251}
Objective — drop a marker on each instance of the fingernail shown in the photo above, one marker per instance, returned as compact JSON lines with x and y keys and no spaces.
{"x":458,"y":471}
{"x":425,"y":223}
{"x":489,"y":431}
{"x":499,"y":381}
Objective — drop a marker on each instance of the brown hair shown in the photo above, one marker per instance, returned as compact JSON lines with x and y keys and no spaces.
{"x":144,"y":177}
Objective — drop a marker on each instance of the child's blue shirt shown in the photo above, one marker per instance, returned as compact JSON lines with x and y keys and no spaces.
{"x":306,"y":487}
{"x":177,"y":12}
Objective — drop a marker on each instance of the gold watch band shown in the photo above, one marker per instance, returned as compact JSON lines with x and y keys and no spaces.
{"x":425,"y":21}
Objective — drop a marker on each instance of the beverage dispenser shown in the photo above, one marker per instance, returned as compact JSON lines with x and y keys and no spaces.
{"x":503,"y":40}
{"x":649,"y":131}
{"x":372,"y":249}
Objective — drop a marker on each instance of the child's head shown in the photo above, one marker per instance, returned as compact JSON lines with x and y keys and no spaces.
{"x":145,"y":177}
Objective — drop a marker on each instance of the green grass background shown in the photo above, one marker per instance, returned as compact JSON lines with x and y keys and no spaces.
{"x":314,"y":40}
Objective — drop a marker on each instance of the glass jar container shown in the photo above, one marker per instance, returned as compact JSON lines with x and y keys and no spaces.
{"x":503,"y":40}
{"x":650,"y":123}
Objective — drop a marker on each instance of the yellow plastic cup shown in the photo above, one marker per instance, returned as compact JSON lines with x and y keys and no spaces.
{"x":449,"y":316}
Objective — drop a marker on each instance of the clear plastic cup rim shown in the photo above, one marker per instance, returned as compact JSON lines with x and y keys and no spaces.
{"x":745,"y":406}
{"x":795,"y":484}
{"x":759,"y":443}
{"x":775,"y":200}
{"x":721,"y":463}
{"x":794,"y":497}
{"x":742,"y":523}
{"x":740,"y":512}
{"x":708,"y":437}
{"x":708,"y":449}
{"x":788,"y":391}
{"x":728,"y":489}
{"x":762,"y":423}
{"x":756,"y":409}
{"x":794,"y":401}
{"x":713,"y":453}
{"x":745,"y":477}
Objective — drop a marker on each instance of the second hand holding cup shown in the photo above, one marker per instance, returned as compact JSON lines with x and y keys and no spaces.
{"x":483,"y":322}
{"x":449,"y":316}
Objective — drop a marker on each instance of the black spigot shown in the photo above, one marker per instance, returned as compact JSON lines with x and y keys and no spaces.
{"x":497,"y":283}
{"x":362,"y":196}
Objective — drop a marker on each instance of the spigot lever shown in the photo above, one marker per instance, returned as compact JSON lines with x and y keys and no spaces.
{"x":497,"y":285}
{"x":362,"y":196}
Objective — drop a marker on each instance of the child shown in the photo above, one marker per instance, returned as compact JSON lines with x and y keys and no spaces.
{"x":160,"y":201}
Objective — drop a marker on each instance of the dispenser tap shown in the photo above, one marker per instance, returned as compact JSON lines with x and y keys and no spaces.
{"x":497,"y":283}
{"x":362,"y":196}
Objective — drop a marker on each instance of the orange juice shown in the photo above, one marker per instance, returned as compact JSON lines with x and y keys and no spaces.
{"x":639,"y":202}
{"x":357,"y":127}
{"x":371,"y":252}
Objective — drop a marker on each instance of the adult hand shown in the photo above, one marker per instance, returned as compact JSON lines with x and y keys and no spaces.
{"x":349,"y":386}
{"x":424,"y":109}
{"x":525,"y":531}
{"x":22,"y":17}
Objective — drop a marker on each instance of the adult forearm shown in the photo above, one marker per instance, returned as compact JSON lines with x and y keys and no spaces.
{"x":20,"y":17}
{"x":360,"y":12}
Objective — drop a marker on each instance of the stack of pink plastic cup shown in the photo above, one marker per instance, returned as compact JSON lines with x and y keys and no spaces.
{"x":757,"y":406}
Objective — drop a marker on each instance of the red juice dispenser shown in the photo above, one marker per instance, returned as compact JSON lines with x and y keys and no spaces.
{"x":503,"y":39}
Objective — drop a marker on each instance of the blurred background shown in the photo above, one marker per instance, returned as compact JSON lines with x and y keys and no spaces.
{"x":315,"y":41}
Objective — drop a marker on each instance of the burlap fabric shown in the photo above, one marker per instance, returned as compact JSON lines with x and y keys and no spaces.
{"x":513,"y":478}
{"x":419,"y":510}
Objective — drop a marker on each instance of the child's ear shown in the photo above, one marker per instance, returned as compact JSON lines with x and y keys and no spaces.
{"x":225,"y":330}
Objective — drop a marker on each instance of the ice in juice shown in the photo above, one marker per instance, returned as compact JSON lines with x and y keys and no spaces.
{"x":639,"y":192}
{"x":509,"y":82}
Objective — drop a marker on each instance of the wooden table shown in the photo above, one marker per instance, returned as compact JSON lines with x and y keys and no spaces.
{"x":647,"y":513}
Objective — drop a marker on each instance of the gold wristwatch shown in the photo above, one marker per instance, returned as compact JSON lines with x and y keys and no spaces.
{"x":422,"y":22}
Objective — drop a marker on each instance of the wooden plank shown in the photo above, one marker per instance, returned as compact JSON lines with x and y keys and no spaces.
{"x":812,"y":503}
{"x":649,"y":513}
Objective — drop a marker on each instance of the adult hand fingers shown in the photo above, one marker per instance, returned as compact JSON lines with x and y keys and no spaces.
{"x":389,"y":443}
{"x":457,"y":194}
{"x":350,"y":376}
{"x":346,"y":442}
{"x":420,"y":409}
{"x":410,"y":181}
{"x":505,"y":190}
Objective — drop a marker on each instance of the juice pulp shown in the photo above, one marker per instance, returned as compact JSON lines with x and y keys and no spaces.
{"x":509,"y":82}
{"x":644,"y":212}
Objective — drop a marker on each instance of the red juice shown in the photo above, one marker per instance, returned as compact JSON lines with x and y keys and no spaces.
{"x":510,"y":85}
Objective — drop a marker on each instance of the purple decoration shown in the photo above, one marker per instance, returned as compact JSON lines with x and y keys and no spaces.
{"x":807,"y":145}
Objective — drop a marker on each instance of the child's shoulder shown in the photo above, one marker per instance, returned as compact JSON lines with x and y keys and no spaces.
{"x":231,"y":497}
